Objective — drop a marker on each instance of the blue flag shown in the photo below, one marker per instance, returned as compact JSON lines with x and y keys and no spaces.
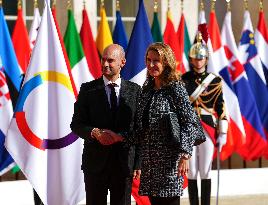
{"x":8,"y":56}
{"x":9,"y":71}
{"x":141,"y":37}
{"x":254,"y":70}
{"x":119,"y":33}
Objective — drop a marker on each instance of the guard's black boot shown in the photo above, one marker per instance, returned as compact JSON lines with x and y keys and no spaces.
{"x":193,"y":191}
{"x":205,"y":191}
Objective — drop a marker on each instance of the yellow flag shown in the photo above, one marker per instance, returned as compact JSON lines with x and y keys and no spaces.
{"x":104,"y":37}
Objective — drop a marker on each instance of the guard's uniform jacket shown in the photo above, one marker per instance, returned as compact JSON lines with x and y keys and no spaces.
{"x":209,"y":104}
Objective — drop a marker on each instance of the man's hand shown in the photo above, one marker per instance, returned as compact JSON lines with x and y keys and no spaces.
{"x":221,"y":141}
{"x":114,"y":137}
{"x":183,"y":167}
{"x":137,"y":174}
{"x":95,"y":133}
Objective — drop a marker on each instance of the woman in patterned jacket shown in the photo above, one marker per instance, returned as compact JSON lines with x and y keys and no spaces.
{"x":164,"y":162}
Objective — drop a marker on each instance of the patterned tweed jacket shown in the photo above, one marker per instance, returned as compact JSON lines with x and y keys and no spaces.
{"x":159,"y":156}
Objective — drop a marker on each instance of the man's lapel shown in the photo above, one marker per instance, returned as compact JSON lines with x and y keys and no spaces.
{"x":101,"y":95}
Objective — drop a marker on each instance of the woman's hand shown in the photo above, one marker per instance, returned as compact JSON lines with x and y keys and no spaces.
{"x":183,"y":167}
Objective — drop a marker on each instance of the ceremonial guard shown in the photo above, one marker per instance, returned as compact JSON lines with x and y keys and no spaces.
{"x":205,"y":91}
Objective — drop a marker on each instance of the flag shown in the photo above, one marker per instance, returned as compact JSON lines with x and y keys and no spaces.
{"x":104,"y":37}
{"x":261,"y":38}
{"x":54,"y":13}
{"x":140,"y":200}
{"x":6,"y":111}
{"x":34,"y":27}
{"x":141,"y":37}
{"x":73,"y":45}
{"x":184,"y":44}
{"x":8,"y":56}
{"x":253,"y":67}
{"x":21,"y":42}
{"x":155,"y":29}
{"x":170,"y":38}
{"x":119,"y":33}
{"x":39,"y":137}
{"x":89,"y":46}
{"x":250,"y":115}
{"x":236,"y":131}
{"x":11,"y":74}
{"x":218,"y":64}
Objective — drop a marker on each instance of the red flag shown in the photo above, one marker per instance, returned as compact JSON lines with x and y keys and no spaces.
{"x":89,"y":47}
{"x":21,"y":42}
{"x":170,"y":38}
{"x":64,"y":50}
{"x":180,"y":36}
{"x":141,"y":200}
{"x":144,"y":200}
{"x":219,"y":64}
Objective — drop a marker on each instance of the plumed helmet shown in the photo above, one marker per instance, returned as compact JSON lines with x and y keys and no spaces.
{"x":199,"y":50}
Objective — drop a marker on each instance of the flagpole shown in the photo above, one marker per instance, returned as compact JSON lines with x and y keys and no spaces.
{"x":228,"y":5}
{"x":213,"y":3}
{"x":246,"y":4}
{"x":202,"y":6}
{"x":182,"y":6}
{"x":155,"y":6}
{"x":19,"y":5}
{"x":35,"y":4}
{"x":261,"y":6}
{"x":69,"y":5}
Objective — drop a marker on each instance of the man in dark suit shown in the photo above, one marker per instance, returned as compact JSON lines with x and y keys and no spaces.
{"x":104,"y":117}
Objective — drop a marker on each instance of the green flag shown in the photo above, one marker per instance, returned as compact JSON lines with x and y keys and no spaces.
{"x":79,"y":66}
{"x":156,"y":30}
{"x":187,"y":42}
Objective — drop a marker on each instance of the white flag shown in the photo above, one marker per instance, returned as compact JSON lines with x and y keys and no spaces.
{"x":34,"y":27}
{"x":39,"y":138}
{"x":6,"y":111}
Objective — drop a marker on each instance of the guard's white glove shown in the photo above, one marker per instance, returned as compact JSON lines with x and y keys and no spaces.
{"x":221,"y":140}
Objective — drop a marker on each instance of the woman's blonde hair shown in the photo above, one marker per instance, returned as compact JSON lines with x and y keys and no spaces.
{"x":168,"y":60}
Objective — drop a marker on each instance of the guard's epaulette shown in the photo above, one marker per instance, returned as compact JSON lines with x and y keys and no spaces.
{"x":217,"y":75}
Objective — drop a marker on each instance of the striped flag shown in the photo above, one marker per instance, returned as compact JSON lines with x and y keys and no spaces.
{"x":39,"y":137}
{"x":119,"y":33}
{"x":104,"y":37}
{"x":6,"y":111}
{"x":261,"y":38}
{"x":89,"y":46}
{"x":218,"y":64}
{"x":12,"y":74}
{"x":253,"y":67}
{"x":141,"y":37}
{"x":184,"y":45}
{"x":73,"y":45}
{"x":250,"y":115}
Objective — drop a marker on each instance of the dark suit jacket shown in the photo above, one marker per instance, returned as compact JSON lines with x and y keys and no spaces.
{"x":92,"y":110}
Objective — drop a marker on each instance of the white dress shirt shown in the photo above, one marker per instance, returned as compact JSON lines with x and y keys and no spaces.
{"x":108,"y":89}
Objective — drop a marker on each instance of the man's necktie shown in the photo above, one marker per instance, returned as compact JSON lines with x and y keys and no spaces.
{"x":113,"y":98}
